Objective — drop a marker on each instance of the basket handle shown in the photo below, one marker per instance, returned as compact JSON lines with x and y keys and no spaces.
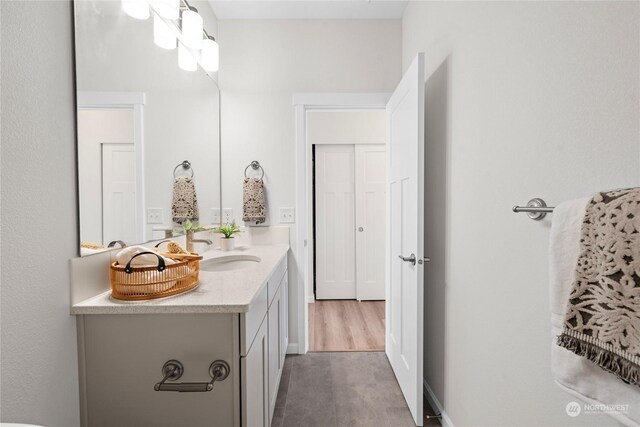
{"x":164,"y":241}
{"x":161,"y":265}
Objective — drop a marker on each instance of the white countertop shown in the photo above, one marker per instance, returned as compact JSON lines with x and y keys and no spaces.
{"x":218,"y":292}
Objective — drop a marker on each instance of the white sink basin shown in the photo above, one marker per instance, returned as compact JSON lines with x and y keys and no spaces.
{"x":230,"y":263}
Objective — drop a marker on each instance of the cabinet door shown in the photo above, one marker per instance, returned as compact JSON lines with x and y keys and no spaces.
{"x":275,"y":348}
{"x":284,"y":316}
{"x":255,"y":390}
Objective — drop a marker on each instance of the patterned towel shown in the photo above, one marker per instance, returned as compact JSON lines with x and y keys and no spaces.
{"x":602,"y":322}
{"x":185,"y":201}
{"x":253,"y":206}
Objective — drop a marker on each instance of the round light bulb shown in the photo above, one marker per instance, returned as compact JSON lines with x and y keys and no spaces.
{"x":169,"y":9}
{"x":192,"y":28}
{"x":162,"y":34}
{"x":209,"y":55}
{"x":138,"y":9}
{"x":186,"y":60}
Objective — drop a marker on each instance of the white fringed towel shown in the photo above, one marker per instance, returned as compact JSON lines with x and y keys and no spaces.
{"x":575,"y":374}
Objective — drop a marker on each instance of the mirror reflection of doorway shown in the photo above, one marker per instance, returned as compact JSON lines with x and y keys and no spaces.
{"x":107,"y":175}
{"x":110,"y":129}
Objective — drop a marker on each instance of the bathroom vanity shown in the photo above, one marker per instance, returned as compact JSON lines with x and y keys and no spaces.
{"x":238,"y":314}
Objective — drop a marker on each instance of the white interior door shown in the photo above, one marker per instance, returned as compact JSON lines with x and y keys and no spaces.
{"x":118,"y":192}
{"x":405,"y":190}
{"x":335,"y":222}
{"x":371,"y":172}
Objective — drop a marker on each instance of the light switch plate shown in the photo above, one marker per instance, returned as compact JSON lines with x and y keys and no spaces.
{"x":287,"y":215}
{"x":155,"y":216}
{"x":215,"y":216}
{"x":227,"y":215}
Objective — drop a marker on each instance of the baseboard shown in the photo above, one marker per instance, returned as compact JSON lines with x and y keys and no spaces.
{"x":311,"y":299}
{"x":292,"y":348}
{"x":435,"y":404}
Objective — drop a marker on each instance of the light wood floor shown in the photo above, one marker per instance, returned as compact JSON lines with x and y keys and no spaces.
{"x":346,"y":325}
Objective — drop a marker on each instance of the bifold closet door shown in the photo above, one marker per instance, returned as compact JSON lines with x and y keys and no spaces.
{"x":335,"y":222}
{"x":370,"y":169}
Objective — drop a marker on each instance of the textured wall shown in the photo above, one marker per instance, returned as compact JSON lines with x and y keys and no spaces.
{"x":523,"y":99}
{"x":39,"y":362}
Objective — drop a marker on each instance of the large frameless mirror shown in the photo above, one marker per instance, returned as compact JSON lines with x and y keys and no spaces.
{"x":148,"y":126}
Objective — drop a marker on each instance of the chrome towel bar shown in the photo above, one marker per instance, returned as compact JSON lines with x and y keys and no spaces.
{"x":173,"y":370}
{"x":535,"y":209}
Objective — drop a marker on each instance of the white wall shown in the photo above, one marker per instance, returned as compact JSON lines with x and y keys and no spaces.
{"x":39,"y":363}
{"x":523,"y":99}
{"x":262,"y":64}
{"x":94,"y":128}
{"x":117,"y":53}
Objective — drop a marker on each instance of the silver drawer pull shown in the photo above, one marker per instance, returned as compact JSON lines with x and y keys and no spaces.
{"x":411,"y":259}
{"x":173,"y":370}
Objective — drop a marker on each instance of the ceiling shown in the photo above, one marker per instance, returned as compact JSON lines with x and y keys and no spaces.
{"x":309,"y":9}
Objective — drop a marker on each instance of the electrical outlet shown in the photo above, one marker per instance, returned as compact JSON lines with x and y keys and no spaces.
{"x":154,"y":216}
{"x":227,"y":215}
{"x":287,"y":215}
{"x":215,"y":216}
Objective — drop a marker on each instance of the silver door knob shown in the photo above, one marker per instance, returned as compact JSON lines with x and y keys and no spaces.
{"x":411,"y":258}
{"x":360,"y":229}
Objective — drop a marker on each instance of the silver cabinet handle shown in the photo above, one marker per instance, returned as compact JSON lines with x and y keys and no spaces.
{"x":173,"y":370}
{"x":411,"y":258}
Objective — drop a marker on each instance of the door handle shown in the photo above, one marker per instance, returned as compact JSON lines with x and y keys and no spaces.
{"x":411,"y":258}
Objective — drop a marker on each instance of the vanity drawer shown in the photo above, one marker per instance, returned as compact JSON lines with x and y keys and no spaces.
{"x":250,"y":321}
{"x":276,"y":279}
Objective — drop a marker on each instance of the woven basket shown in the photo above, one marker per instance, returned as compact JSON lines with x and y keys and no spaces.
{"x":142,"y":283}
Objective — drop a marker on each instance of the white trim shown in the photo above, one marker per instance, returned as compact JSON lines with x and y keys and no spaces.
{"x":311,"y":299}
{"x":445,"y":421}
{"x":134,"y":101}
{"x":341,"y":100}
{"x":292,"y":348}
{"x":302,"y":248}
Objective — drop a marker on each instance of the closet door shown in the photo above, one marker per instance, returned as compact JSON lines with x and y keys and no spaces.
{"x":335,"y":222}
{"x":370,"y":169}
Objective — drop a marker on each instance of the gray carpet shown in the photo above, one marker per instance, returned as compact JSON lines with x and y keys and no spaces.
{"x":341,"y":389}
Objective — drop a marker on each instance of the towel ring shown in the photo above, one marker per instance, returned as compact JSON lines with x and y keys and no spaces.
{"x":185,"y":165}
{"x":255,"y":165}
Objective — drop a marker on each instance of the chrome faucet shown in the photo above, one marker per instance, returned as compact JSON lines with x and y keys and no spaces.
{"x":191,"y":241}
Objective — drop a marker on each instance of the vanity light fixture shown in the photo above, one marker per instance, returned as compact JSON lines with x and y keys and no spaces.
{"x":186,"y":59}
{"x":163,"y":36}
{"x":168,"y":9}
{"x":192,"y":28}
{"x":177,"y":23}
{"x":138,"y":9}
{"x":209,"y":55}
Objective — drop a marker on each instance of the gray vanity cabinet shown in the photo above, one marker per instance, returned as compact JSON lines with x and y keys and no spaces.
{"x":122,"y":355}
{"x":267,"y":352}
{"x":255,"y":390}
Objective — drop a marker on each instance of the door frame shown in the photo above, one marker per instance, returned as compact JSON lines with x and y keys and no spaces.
{"x":133,"y":101}
{"x":302,"y":246}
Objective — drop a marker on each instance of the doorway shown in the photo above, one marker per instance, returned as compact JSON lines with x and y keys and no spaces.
{"x":346,"y":305}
